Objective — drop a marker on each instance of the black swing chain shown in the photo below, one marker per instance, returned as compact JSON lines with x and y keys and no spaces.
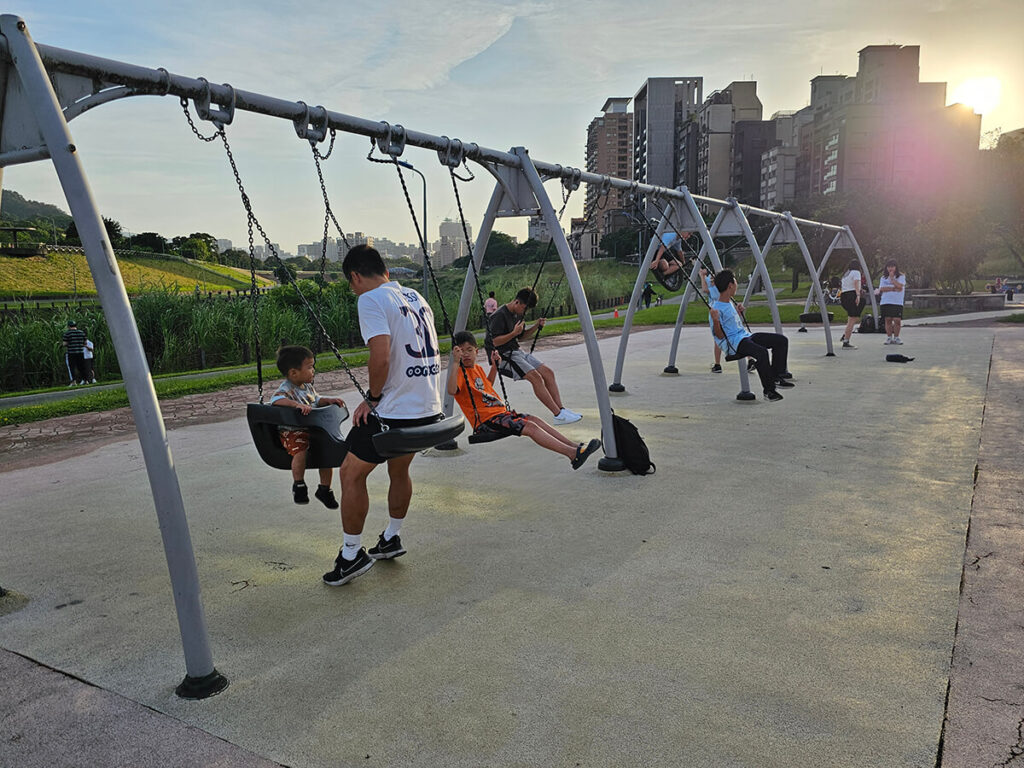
{"x":697,"y":289}
{"x":479,"y":292}
{"x":566,"y":194}
{"x":576,"y":240}
{"x":254,"y":222}
{"x":328,"y":215}
{"x":420,"y":234}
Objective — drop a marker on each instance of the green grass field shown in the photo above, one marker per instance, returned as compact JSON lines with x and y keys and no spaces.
{"x":62,"y":275}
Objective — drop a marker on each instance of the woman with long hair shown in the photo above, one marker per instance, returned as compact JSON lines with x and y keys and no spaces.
{"x":851,"y":300}
{"x":891,"y":288}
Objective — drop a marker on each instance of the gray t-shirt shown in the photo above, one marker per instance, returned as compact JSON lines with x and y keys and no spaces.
{"x":499,"y":324}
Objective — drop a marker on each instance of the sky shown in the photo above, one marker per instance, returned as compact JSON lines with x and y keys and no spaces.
{"x":529,"y":73}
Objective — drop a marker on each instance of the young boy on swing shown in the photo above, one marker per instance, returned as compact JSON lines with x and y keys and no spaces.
{"x":298,"y":365}
{"x":487,"y":413}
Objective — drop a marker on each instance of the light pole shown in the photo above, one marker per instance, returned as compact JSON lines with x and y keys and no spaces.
{"x":426,"y":237}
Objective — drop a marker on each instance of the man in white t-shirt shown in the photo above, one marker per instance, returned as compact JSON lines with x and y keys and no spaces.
{"x":397,"y":325}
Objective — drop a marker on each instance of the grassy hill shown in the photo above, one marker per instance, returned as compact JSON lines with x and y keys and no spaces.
{"x":60,"y":275}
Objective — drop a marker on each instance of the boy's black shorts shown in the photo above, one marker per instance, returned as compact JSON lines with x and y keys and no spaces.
{"x":891,"y":310}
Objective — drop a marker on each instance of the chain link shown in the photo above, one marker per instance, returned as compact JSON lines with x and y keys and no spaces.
{"x":188,"y":116}
{"x":253,"y":222}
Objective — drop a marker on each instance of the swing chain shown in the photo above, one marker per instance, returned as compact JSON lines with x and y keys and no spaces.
{"x":284,"y":273}
{"x":479,"y":292}
{"x":192,"y":125}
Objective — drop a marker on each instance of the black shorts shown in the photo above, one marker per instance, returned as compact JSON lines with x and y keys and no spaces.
{"x":891,"y":310}
{"x":508,"y":423}
{"x":360,"y":437}
{"x":851,"y":303}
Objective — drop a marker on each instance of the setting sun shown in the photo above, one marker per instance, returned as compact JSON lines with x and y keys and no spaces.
{"x":979,"y":93}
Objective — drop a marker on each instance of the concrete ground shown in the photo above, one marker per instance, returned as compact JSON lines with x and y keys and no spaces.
{"x":785,"y":591}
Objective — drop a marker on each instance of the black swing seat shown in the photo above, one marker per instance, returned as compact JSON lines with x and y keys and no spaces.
{"x":671,"y":282}
{"x":327,"y":447}
{"x":400,"y":441}
{"x":486,"y":436}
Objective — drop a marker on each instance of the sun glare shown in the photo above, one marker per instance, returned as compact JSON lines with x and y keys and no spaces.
{"x":980,"y":94}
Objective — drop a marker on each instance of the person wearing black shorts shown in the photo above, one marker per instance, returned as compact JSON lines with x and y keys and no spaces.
{"x":851,"y":300}
{"x":404,"y":390}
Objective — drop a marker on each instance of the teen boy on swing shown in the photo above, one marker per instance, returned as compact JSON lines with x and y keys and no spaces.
{"x":733,"y":339}
{"x":404,"y":389}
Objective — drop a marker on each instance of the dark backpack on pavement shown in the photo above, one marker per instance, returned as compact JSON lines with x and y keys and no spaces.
{"x":631,"y":447}
{"x":867,"y":324}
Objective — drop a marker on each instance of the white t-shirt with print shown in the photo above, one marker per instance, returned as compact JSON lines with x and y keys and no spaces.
{"x":893,"y":297}
{"x":413,"y":386}
{"x":848,"y":279}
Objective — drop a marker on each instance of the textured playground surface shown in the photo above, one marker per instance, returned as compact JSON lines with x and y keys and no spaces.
{"x":785,"y":591}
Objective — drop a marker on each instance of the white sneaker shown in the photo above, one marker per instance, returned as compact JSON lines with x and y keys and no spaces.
{"x":897,"y":340}
{"x":888,"y":340}
{"x":565,"y":416}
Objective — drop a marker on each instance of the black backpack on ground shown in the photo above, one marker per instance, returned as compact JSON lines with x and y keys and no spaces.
{"x":631,"y":447}
{"x":867,"y":324}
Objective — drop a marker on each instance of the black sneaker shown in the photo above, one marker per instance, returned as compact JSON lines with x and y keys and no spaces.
{"x":326,"y":496}
{"x":716,"y":368}
{"x":772,"y":396}
{"x":786,"y":375}
{"x":784,"y":383}
{"x":386,"y":550}
{"x":582,"y":454}
{"x":346,"y":570}
{"x":751,"y":364}
{"x":300,"y":493}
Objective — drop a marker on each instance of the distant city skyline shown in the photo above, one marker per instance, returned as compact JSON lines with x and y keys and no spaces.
{"x":528,"y":73}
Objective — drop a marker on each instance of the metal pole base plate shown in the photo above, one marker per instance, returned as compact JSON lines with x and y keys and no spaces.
{"x":670,"y":369}
{"x":451,"y":445}
{"x":202,"y":687}
{"x":801,"y":329}
{"x":830,"y":354}
{"x":746,"y":396}
{"x":616,"y":388}
{"x":608,"y":464}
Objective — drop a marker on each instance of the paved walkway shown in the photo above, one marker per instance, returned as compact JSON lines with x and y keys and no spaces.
{"x":804,"y":616}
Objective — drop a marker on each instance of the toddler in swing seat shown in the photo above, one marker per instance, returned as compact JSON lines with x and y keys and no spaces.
{"x":487,"y":413}
{"x":298,"y":365}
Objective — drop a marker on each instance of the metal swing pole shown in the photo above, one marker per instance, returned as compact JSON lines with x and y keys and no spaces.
{"x":820,"y":270}
{"x":816,"y":287}
{"x":201,"y":679}
{"x":611,"y":461}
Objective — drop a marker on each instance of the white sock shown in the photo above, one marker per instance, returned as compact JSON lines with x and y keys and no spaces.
{"x":352,"y":544}
{"x":394,"y":526}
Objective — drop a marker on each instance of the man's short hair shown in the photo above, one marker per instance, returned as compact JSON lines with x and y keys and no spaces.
{"x":364,"y":260}
{"x":723,"y":279}
{"x":464,"y":337}
{"x":527,"y":297}
{"x":292,"y":356}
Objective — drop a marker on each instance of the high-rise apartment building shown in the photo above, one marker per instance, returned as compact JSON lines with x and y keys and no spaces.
{"x":884,"y":129}
{"x":609,"y":152}
{"x":662,"y":107}
{"x":778,"y":183}
{"x":715,"y":120}
{"x":750,"y":140}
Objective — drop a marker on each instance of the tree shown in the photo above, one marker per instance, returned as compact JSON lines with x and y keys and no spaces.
{"x":1003,"y":189}
{"x":195,"y":248}
{"x":501,"y":249}
{"x":112,"y":227}
{"x":150,"y":241}
{"x":620,"y":244}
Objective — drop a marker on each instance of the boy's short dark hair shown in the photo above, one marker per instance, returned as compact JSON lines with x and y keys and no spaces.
{"x":464,"y":337}
{"x":528,"y":297}
{"x":724,"y":279}
{"x":292,"y":356}
{"x":364,"y":260}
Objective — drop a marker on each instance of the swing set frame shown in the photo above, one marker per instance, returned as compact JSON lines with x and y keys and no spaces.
{"x":43,"y":88}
